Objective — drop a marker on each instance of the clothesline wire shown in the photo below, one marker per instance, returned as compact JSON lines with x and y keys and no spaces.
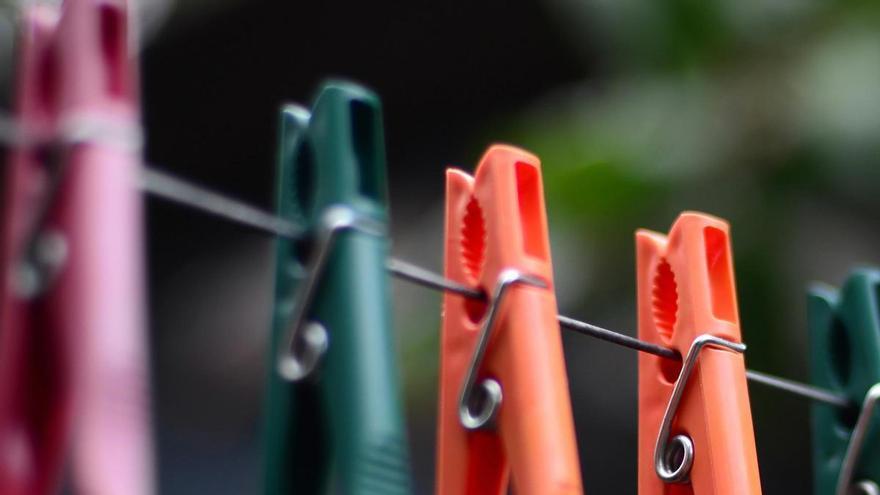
{"x":165,"y":186}
{"x":168,"y":187}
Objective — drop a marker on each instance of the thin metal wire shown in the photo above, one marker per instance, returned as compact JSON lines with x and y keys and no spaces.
{"x":171,"y":188}
{"x":33,"y":270}
{"x":617,"y":338}
{"x":45,"y":249}
{"x":854,"y":449}
{"x":797,"y":388}
{"x":181,"y":192}
{"x":14,"y":135}
{"x":32,"y":263}
{"x":304,"y":341}
{"x":405,"y":270}
{"x":168,"y":187}
{"x":488,"y":390}
{"x":674,"y":457}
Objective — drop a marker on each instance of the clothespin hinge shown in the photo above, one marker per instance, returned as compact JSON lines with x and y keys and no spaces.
{"x":306,"y":341}
{"x":673,"y":458}
{"x":845,"y":484}
{"x":490,"y":396}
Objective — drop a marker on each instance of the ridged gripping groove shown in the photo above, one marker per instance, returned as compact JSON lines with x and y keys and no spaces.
{"x":383,"y":468}
{"x":473,"y":240}
{"x":665,"y":300}
{"x":473,"y":255}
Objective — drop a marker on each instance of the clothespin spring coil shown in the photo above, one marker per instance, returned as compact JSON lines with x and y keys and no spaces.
{"x":673,"y":458}
{"x":306,"y":341}
{"x":845,"y":485}
{"x":491,"y":396}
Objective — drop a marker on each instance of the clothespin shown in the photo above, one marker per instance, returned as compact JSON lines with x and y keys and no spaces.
{"x":695,"y":424}
{"x":504,"y":403}
{"x":334,"y":421}
{"x":845,"y":352}
{"x":73,"y":360}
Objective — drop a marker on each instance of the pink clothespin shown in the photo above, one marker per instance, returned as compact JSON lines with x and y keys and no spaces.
{"x":73,"y":360}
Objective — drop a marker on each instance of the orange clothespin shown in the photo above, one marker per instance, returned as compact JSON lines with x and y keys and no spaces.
{"x":504,"y":403}
{"x":695,"y":424}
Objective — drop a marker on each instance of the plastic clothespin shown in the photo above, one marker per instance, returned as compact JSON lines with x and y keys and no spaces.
{"x":845,"y":353}
{"x":695,"y":423}
{"x":504,"y":402}
{"x":73,"y":359}
{"x":334,"y":421}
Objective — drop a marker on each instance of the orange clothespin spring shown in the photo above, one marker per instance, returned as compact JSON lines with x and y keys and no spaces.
{"x":695,"y":423}
{"x":504,"y":403}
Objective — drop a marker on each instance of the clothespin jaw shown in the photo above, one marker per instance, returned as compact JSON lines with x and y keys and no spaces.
{"x":22,"y":386}
{"x":686,"y":290}
{"x":496,"y":226}
{"x":845,"y":353}
{"x":73,"y":324}
{"x":103,"y":77}
{"x":334,"y":420}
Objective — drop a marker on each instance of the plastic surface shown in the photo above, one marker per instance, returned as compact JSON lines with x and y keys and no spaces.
{"x":73,"y":359}
{"x":497,"y":221}
{"x":685,"y":289}
{"x":845,"y":358}
{"x":341,"y":430}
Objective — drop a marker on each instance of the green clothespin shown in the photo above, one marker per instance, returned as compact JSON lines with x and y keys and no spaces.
{"x":845,"y":335}
{"x":334,"y":421}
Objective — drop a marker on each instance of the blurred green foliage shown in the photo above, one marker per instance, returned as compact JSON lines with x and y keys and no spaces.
{"x":765,"y":113}
{"x":758,"y":112}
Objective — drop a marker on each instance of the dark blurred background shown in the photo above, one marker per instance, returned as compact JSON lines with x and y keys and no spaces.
{"x":764,"y":112}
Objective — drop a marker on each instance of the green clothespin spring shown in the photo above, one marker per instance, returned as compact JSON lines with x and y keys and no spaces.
{"x":845,"y":351}
{"x":334,"y":422}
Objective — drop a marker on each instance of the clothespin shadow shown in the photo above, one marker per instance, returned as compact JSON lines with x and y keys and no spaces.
{"x":504,"y":409}
{"x":334,"y":421}
{"x":695,"y":424}
{"x":844,"y":330}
